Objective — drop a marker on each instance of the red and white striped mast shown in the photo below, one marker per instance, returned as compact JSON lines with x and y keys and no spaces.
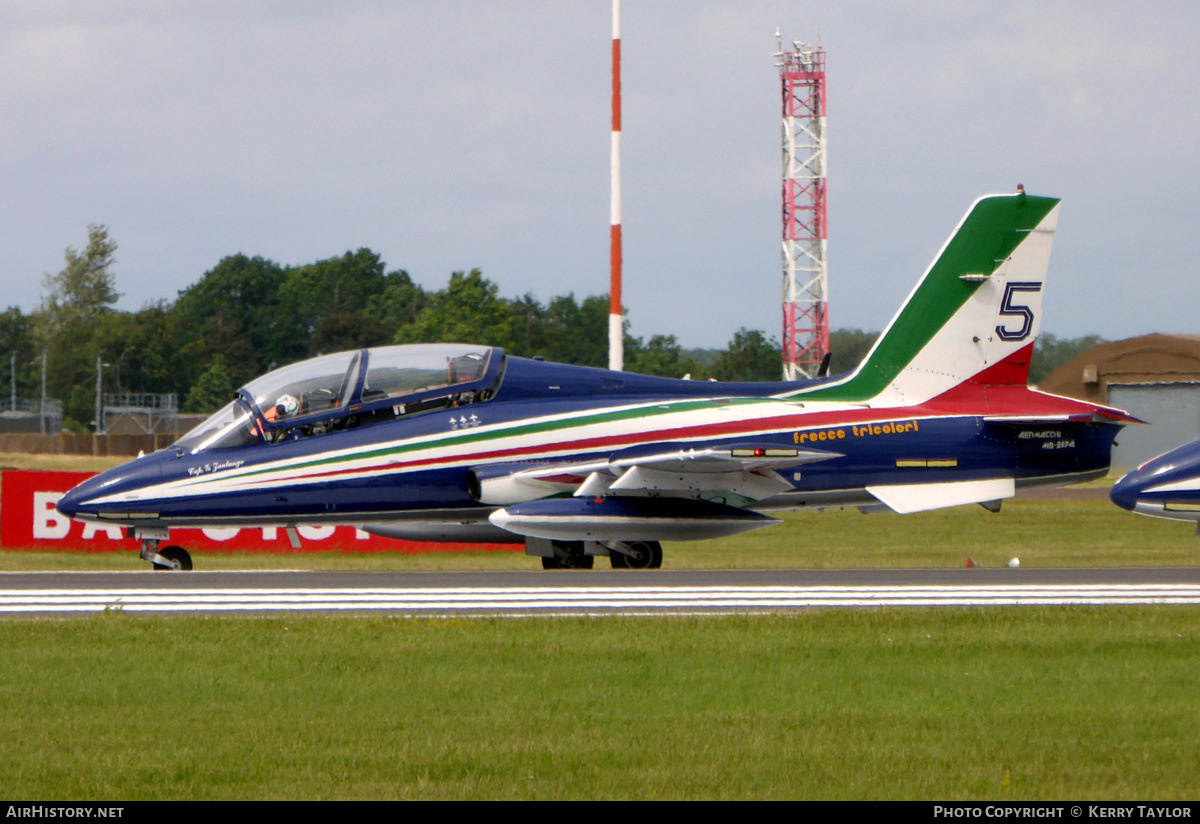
{"x":616,"y":316}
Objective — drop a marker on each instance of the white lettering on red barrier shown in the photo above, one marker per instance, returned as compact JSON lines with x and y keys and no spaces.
{"x":47,"y":523}
{"x":29,"y":520}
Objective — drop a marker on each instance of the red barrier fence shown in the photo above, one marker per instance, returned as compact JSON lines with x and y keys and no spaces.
{"x":28,"y":520}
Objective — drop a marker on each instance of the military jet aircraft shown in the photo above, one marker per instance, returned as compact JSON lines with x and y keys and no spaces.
{"x":468,"y":443}
{"x":1167,"y":486}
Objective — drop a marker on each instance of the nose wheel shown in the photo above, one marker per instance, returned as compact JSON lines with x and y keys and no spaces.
{"x":176,"y":557}
{"x":167,"y":558}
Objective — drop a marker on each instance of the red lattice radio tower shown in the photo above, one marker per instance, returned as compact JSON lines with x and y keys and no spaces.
{"x":805,"y":234}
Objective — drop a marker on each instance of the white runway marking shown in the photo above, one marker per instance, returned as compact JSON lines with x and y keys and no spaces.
{"x":581,"y":600}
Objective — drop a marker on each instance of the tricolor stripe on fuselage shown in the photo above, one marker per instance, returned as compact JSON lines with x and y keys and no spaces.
{"x":556,"y":437}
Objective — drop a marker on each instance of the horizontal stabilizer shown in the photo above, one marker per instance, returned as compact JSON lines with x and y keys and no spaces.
{"x":1098,"y":416}
{"x":1036,"y":420}
{"x":627,"y":519}
{"x":907,"y":498}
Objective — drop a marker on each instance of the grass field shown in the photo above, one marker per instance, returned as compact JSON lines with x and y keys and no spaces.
{"x":1010,"y":704}
{"x":995,"y":703}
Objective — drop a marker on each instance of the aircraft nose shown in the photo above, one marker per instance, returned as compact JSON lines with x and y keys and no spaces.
{"x":96,"y":494}
{"x":1125,"y":491}
{"x":68,"y":504}
{"x":78,"y":495}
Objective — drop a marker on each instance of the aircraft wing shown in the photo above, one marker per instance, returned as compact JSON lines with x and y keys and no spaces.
{"x":747,"y":470}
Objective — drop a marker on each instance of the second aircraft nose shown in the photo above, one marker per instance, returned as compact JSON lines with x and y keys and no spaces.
{"x":1125,"y":491}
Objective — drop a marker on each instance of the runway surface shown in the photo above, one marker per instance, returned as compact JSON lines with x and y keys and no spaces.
{"x":583,"y":592}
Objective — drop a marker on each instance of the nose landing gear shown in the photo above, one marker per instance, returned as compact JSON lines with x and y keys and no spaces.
{"x":175,"y":557}
{"x":169,"y":557}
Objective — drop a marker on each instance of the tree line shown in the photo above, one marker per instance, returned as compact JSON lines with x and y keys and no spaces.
{"x":248,"y":315}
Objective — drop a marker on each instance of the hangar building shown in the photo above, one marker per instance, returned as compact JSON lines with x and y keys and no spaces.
{"x":1153,"y":377}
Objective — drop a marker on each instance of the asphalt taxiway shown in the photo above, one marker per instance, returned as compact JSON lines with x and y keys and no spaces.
{"x":594,"y":592}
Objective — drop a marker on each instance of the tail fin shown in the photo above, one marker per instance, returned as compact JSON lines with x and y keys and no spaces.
{"x":973,"y":315}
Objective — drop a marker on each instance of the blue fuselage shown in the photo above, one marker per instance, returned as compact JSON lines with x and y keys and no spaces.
{"x":545,"y":414}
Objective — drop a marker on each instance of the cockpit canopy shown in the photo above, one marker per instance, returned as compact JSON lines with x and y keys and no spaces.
{"x":350,"y":389}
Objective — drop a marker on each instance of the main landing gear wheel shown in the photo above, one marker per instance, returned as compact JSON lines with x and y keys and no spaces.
{"x":568,"y":555}
{"x":177,"y":555}
{"x":642,"y":555}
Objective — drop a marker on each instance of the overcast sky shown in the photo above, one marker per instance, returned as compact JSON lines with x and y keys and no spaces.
{"x":452,"y":135}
